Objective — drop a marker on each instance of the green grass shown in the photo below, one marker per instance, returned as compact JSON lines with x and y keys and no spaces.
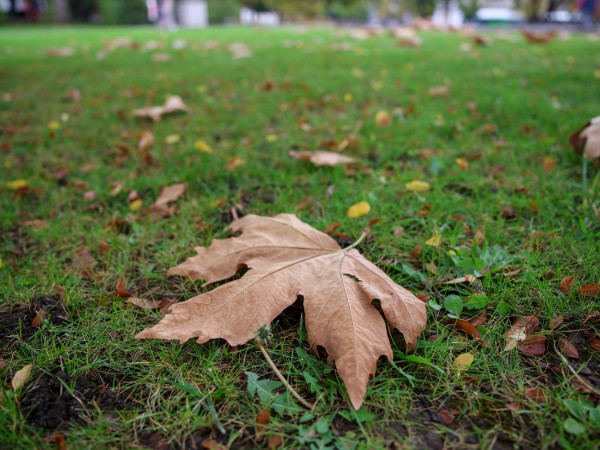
{"x":510,"y":106}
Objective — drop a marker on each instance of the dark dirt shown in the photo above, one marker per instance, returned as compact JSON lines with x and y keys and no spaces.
{"x":16,"y":318}
{"x":56,"y":400}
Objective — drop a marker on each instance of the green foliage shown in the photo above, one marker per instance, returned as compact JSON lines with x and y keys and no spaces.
{"x":117,"y":12}
{"x":469,"y":8}
{"x":223,"y":11}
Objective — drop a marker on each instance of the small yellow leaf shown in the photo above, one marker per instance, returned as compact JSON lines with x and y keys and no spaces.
{"x":1,"y":263}
{"x":17,"y":184}
{"x":597,"y":74}
{"x":54,"y":125}
{"x":201,"y":89}
{"x":172,"y":139}
{"x":376,"y":85}
{"x":383,"y":119}
{"x":434,"y":241}
{"x":462,"y":163}
{"x":203,"y":147}
{"x":272,"y":137}
{"x":21,"y":377}
{"x":417,"y":186}
{"x":463,"y":361}
{"x":358,"y":210}
{"x":348,"y":97}
{"x":136,"y":205}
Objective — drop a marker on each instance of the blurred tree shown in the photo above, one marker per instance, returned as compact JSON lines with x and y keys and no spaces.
{"x":83,"y":10}
{"x":223,"y":11}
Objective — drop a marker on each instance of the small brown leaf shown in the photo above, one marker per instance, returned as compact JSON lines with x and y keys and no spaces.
{"x":565,"y":284}
{"x":262,"y":419}
{"x":446,"y":416}
{"x":595,"y":344}
{"x":567,"y":348}
{"x":480,"y":319}
{"x":211,"y":444}
{"x":468,"y":328}
{"x":439,"y":91}
{"x":37,"y":320}
{"x":59,"y":441}
{"x":146,"y":140}
{"x":508,"y":213}
{"x":557,"y":322}
{"x":275,"y":440}
{"x":535,"y":394}
{"x":143,"y":303}
{"x":121,"y":288}
{"x":170,"y":194}
{"x":321,"y":158}
{"x":533,"y":345}
{"x":590,"y":290}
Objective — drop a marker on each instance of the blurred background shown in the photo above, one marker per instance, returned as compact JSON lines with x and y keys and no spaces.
{"x":202,"y":13}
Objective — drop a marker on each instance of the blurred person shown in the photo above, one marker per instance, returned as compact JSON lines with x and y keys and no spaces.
{"x":588,"y":9}
{"x":34,"y":9}
{"x":162,"y":12}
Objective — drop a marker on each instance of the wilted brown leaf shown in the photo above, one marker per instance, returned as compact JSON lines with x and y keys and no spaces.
{"x":567,"y":348}
{"x":288,"y":258}
{"x":262,"y":419}
{"x":170,"y":194}
{"x":143,"y":303}
{"x":538,"y":38}
{"x":595,"y":344}
{"x":535,"y":394}
{"x":590,"y":290}
{"x":533,"y":345}
{"x":146,"y":140}
{"x":172,"y":105}
{"x":468,"y":328}
{"x":121,"y":288}
{"x":565,"y":284}
{"x":320,"y":158}
{"x":275,"y":440}
{"x":520,"y":329}
{"x":211,"y":444}
{"x":447,"y":417}
{"x":557,"y":322}
{"x":37,"y":320}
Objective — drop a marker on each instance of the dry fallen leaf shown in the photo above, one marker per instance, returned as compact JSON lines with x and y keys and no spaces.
{"x":146,"y":140}
{"x":535,"y":394}
{"x":170,"y":194}
{"x":383,"y":119}
{"x":538,"y":38}
{"x":565,"y":284}
{"x":586,"y":140}
{"x":590,"y":290}
{"x":172,"y":105}
{"x":203,"y":147}
{"x":533,"y":345}
{"x":262,"y":420}
{"x":288,"y":258}
{"x":321,"y":158}
{"x":21,"y":377}
{"x":523,"y":327}
{"x":463,"y":361}
{"x":567,"y":348}
{"x":39,"y":317}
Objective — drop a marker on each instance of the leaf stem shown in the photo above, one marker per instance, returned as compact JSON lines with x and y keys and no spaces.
{"x":364,"y":234}
{"x":282,"y":378}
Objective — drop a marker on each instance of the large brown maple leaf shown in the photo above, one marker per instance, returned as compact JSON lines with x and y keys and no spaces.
{"x":288,"y":258}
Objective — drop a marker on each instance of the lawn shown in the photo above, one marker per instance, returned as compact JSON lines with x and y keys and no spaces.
{"x":508,"y":203}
